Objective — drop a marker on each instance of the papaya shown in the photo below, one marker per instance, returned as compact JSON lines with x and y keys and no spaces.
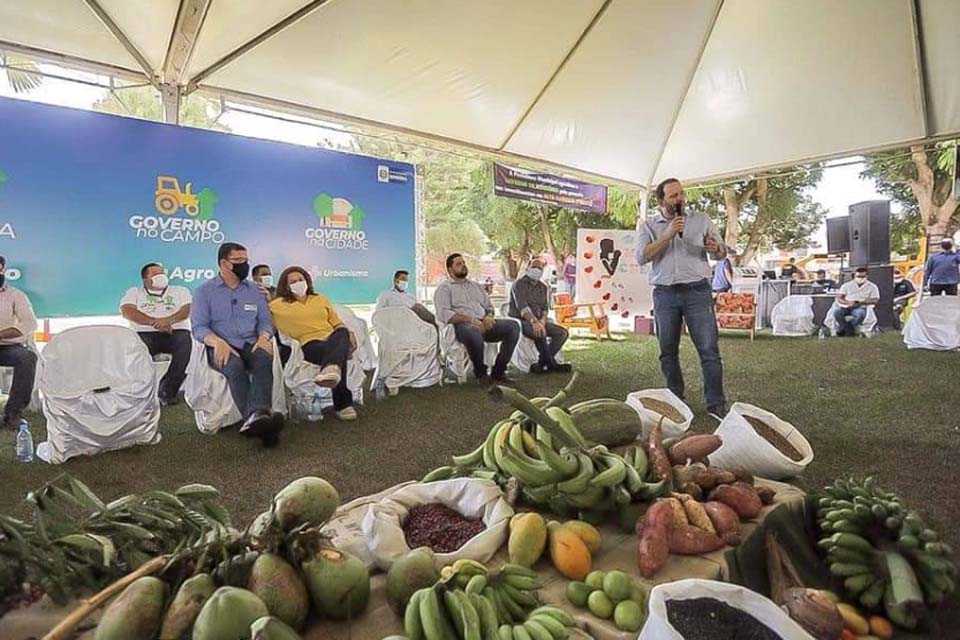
{"x":528,"y":538}
{"x":227,"y":615}
{"x":311,"y":501}
{"x":587,"y":532}
{"x":568,"y":552}
{"x":281,"y":589}
{"x":136,"y":613}
{"x":186,"y":605}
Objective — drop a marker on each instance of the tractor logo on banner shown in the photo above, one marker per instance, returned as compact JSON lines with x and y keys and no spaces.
{"x":169,"y":198}
{"x":339,"y":224}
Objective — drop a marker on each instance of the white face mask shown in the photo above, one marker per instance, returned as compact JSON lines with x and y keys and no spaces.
{"x":299,"y":288}
{"x":266,"y":280}
{"x":534,"y":274}
{"x":401,"y":285}
{"x":159,"y":281}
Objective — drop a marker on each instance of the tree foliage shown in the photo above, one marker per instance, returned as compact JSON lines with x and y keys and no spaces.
{"x":144,"y":102}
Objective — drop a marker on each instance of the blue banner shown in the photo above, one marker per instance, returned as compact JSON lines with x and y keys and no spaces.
{"x":87,"y":198}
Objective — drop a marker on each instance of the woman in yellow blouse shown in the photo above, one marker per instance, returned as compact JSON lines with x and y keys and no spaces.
{"x":308,"y":318}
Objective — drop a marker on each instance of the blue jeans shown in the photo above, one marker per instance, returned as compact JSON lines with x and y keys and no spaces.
{"x":694,"y":304}
{"x":249,"y":377}
{"x":849,"y":328}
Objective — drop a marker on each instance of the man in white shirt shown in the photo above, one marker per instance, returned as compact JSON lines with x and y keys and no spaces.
{"x":854,"y":299}
{"x":398,"y":297}
{"x":17,"y":325}
{"x":160,"y":314}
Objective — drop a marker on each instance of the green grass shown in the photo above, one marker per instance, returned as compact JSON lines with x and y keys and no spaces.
{"x":868,"y":407}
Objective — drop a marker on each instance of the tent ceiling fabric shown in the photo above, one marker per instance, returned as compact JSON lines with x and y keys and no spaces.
{"x":778,"y":81}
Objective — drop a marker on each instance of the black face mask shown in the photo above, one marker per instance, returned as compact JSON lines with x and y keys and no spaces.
{"x":241,"y":270}
{"x":3,"y":280}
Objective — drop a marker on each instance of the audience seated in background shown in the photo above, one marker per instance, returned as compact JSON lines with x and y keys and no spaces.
{"x":17,"y":325}
{"x":160,"y":314}
{"x":827,"y":283}
{"x":463,"y":303}
{"x":263,"y":278}
{"x":530,"y":302}
{"x":230,"y":316}
{"x":854,"y":299}
{"x":903,"y":291}
{"x":399,"y":297}
{"x":307,"y":317}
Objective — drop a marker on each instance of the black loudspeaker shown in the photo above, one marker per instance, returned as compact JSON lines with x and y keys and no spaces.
{"x":882,"y":276}
{"x":838,"y":235}
{"x":870,"y":233}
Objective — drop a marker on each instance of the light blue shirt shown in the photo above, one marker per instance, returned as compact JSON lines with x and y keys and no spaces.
{"x":684,"y":261}
{"x":239,"y":316}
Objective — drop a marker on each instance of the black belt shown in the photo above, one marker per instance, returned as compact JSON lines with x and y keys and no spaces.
{"x":684,"y":286}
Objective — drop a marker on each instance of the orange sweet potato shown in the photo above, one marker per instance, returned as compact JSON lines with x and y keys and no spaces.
{"x":691,"y":541}
{"x":654,"y":547}
{"x":694,"y":448}
{"x":767,"y":494}
{"x":725,"y":520}
{"x":659,"y":460}
{"x":740,"y":497}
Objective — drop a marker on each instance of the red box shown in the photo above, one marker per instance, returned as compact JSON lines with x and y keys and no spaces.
{"x":643,"y":326}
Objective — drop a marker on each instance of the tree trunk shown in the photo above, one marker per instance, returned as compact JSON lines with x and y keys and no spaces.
{"x":756,"y":230}
{"x":544,"y":211}
{"x":731,"y":203}
{"x":935,"y":218}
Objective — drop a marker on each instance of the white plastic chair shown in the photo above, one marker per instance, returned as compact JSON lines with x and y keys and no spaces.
{"x":408,"y":353}
{"x":793,"y":316}
{"x":207,"y":393}
{"x":934,"y":324}
{"x":98,"y":391}
{"x":298,"y":374}
{"x":869,"y":325}
{"x":366,"y":354}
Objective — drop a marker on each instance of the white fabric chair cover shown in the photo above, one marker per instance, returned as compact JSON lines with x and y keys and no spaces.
{"x":934,"y":324}
{"x":408,"y":350}
{"x":98,"y":392}
{"x":298,"y":374}
{"x":456,"y":360}
{"x":207,"y":393}
{"x":526,"y":354}
{"x":366,"y":354}
{"x":869,"y":322}
{"x":6,"y":379}
{"x":793,"y":316}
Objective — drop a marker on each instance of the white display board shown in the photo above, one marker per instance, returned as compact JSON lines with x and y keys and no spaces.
{"x":608,"y":272}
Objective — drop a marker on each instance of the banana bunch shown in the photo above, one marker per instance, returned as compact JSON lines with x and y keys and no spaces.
{"x":540,"y":446}
{"x":882,"y":552}
{"x":469,"y":603}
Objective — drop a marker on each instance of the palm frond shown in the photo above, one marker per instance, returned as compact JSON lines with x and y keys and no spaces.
{"x":21,"y":72}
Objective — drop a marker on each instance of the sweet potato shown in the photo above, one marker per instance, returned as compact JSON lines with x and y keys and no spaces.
{"x":740,"y":497}
{"x":708,"y":478}
{"x":691,"y":541}
{"x":725,"y":521}
{"x":654,"y":547}
{"x":679,"y":513}
{"x":743,"y":475}
{"x":767,"y":494}
{"x":695,"y":513}
{"x":694,"y":448}
{"x":659,"y":460}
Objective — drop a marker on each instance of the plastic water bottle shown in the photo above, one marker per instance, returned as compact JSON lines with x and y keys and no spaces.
{"x":315,"y":414}
{"x":823,"y":333}
{"x":24,"y":443}
{"x":381,"y":389}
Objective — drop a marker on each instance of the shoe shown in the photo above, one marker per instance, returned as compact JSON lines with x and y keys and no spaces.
{"x":347,"y":414}
{"x":169,"y":402}
{"x":561,"y":368}
{"x":503,"y":379}
{"x":271,"y":437}
{"x":717,"y":411}
{"x":538,"y":368}
{"x":328,"y":377}
{"x":260,"y":423}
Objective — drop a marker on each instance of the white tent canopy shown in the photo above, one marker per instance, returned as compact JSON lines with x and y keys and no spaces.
{"x":634,"y":90}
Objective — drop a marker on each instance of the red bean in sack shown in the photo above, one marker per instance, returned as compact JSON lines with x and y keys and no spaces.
{"x":654,"y":547}
{"x":688,"y":540}
{"x":659,"y":460}
{"x":740,"y":497}
{"x":725,"y":520}
{"x":694,"y":448}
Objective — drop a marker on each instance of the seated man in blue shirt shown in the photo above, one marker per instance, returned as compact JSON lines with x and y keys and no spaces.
{"x":230,"y":316}
{"x":940,"y":272}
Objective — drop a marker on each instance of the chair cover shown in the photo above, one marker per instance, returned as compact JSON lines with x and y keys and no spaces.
{"x":207,"y":393}
{"x":408,"y":349}
{"x":869,"y":322}
{"x":793,"y":316}
{"x":526,"y":354}
{"x":456,"y":360}
{"x":934,"y":324}
{"x":298,"y":374}
{"x":6,"y":379}
{"x":98,"y":392}
{"x":366,"y":354}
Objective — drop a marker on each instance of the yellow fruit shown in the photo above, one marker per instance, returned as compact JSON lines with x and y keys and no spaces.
{"x":529,"y":445}
{"x":528,"y":537}
{"x":853,"y":620}
{"x":881,"y":627}
{"x":587,"y":532}
{"x":568,"y":552}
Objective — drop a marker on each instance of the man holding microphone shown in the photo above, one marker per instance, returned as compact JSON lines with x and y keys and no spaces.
{"x":677,"y":243}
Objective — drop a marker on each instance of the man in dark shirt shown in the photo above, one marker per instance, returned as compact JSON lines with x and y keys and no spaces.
{"x":940,"y":273}
{"x":824,"y":281}
{"x":791,"y":271}
{"x":529,"y":302}
{"x":903,"y":290}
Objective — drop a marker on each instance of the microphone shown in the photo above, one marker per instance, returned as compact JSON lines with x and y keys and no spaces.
{"x":679,"y":212}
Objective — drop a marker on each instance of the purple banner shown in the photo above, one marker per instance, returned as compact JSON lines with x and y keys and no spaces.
{"x":544,"y":188}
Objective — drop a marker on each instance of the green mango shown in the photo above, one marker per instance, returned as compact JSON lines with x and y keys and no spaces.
{"x":281,"y":589}
{"x":186,"y":605}
{"x":272,"y":629}
{"x":136,"y":613}
{"x":228,"y":614}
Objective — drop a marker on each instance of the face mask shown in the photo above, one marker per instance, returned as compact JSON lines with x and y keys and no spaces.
{"x":534,"y":274}
{"x":401,"y":285}
{"x":266,"y":280}
{"x":299,"y":288}
{"x":3,"y":279}
{"x":159,"y":281}
{"x":241,"y":270}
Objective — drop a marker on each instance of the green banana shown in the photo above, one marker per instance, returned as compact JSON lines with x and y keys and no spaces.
{"x":476,"y":585}
{"x":431,"y":617}
{"x":470,"y":567}
{"x":566,"y":464}
{"x":519,"y":633}
{"x":537,"y":631}
{"x":440,"y":473}
{"x":849,"y":569}
{"x":653,"y":490}
{"x":554,"y":626}
{"x":852,"y":541}
{"x":524,"y":469}
{"x":613,"y":474}
{"x":471,"y":459}
{"x":589,"y":499}
{"x":556,"y":613}
{"x":516,"y":611}
{"x":641,"y":463}
{"x":503,"y":614}
{"x":489,"y":623}
{"x":523,"y":583}
{"x":843,"y":554}
{"x":871,"y":597}
{"x":521,"y":597}
{"x":471,"y":618}
{"x":505,"y":632}
{"x":412,"y":626}
{"x":580,"y":482}
{"x":510,"y":568}
{"x":489,"y":460}
{"x":540,"y":495}
{"x":500,"y":441}
{"x":564,"y":419}
{"x":455,"y":613}
{"x":857,"y":583}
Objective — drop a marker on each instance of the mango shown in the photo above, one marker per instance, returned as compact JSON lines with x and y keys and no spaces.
{"x":600,"y":605}
{"x":228,"y":614}
{"x":186,"y":605}
{"x":281,"y":589}
{"x":269,"y":628}
{"x":136,"y":613}
{"x":628,"y":616}
{"x":338,"y":582}
{"x":409,"y":574}
{"x":616,"y":584}
{"x":587,"y":532}
{"x":568,"y":552}
{"x":578,"y":593}
{"x":595,"y":579}
{"x":528,"y":538}
{"x":309,"y":500}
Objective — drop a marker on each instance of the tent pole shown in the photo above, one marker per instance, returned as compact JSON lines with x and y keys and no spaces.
{"x":921,"y":67}
{"x":122,"y":38}
{"x":170,"y":96}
